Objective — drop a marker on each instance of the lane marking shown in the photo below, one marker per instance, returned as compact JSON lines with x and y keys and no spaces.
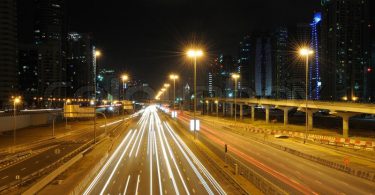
{"x":136,"y":189}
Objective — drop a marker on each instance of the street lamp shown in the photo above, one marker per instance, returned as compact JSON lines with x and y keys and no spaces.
{"x":194,"y":54}
{"x":217,"y":108}
{"x":235,"y":76}
{"x":98,"y":53}
{"x":16,"y":101}
{"x":305,"y":52}
{"x":124,"y":79}
{"x":166,"y":86}
{"x":68,"y":101}
{"x":174,"y":77}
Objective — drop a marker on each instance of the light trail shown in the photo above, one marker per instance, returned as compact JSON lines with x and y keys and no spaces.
{"x":104,"y":168}
{"x":158,"y":166}
{"x":172,"y":156}
{"x":126,"y":186}
{"x":210,"y":134}
{"x":136,"y":189}
{"x":170,"y":172}
{"x":118,"y":163}
{"x":203,"y":169}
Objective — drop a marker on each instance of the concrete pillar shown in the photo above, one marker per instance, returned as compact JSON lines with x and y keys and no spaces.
{"x":252,"y":113}
{"x":217,"y":108}
{"x":212,"y":107}
{"x":241,"y":111}
{"x":231,"y":109}
{"x":286,"y":113}
{"x":224,"y":109}
{"x":267,"y":114}
{"x":286,"y":117}
{"x":207,"y":108}
{"x":345,"y":121}
{"x":310,"y":117}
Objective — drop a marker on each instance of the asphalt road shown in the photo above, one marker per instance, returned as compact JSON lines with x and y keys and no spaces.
{"x":35,"y":163}
{"x":153,"y":159}
{"x":294,"y":174}
{"x":57,"y":148}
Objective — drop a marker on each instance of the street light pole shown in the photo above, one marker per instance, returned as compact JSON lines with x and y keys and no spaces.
{"x":194,"y":54}
{"x":306,"y":52}
{"x":235,"y":77}
{"x":16,"y":100}
{"x":174,"y":77}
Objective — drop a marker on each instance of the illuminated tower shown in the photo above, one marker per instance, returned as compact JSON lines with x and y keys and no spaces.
{"x":314,"y":68}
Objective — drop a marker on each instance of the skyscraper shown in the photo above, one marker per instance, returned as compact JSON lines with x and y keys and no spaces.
{"x":280,"y":64}
{"x":314,"y":67}
{"x":50,"y":38}
{"x":263,"y":66}
{"x":244,"y":64}
{"x":80,"y":65}
{"x":345,"y":46}
{"x":8,"y":50}
{"x":297,"y":83}
{"x":28,"y":71}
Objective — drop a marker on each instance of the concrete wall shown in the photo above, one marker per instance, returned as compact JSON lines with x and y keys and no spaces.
{"x":25,"y":120}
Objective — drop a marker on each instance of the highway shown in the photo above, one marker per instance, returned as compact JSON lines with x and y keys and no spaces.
{"x":50,"y":151}
{"x":153,"y":159}
{"x":294,"y":174}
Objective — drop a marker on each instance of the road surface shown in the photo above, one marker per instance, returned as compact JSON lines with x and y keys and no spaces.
{"x":294,"y":174}
{"x":153,"y":159}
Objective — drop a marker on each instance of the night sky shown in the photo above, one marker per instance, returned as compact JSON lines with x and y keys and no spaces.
{"x":147,"y":38}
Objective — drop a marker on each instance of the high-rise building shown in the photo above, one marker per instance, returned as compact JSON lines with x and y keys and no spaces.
{"x":8,"y":50}
{"x":263,"y":66}
{"x":219,"y":72}
{"x":28,"y":72}
{"x":80,"y":65}
{"x":371,"y":68}
{"x":280,"y":64}
{"x":345,"y":46}
{"x":244,"y":62}
{"x":50,"y":38}
{"x":297,"y":81}
{"x":109,"y":85}
{"x":314,"y":67}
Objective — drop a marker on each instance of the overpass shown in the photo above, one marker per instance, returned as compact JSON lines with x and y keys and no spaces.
{"x":345,"y":110}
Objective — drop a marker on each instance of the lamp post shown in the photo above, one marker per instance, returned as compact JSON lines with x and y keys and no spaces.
{"x":16,"y":101}
{"x":235,"y":77}
{"x":66,"y":118}
{"x":217,"y":109}
{"x":166,"y":86}
{"x":174,"y":77}
{"x":124,"y":79}
{"x":97,"y":55}
{"x":305,"y":52}
{"x":194,"y":54}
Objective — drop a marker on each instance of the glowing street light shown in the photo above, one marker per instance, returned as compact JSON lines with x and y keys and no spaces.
{"x":124,"y":79}
{"x":235,"y":76}
{"x":174,"y":77}
{"x":194,"y":54}
{"x":98,"y":54}
{"x":306,"y":52}
{"x":16,"y":100}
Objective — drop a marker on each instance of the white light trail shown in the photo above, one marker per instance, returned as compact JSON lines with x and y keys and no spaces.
{"x":104,"y":168}
{"x":179,"y":141}
{"x":118,"y":163}
{"x":136,"y":189}
{"x":126,"y":186}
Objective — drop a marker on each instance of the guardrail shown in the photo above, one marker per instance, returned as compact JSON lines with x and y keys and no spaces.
{"x":46,"y":169}
{"x":338,"y":166}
